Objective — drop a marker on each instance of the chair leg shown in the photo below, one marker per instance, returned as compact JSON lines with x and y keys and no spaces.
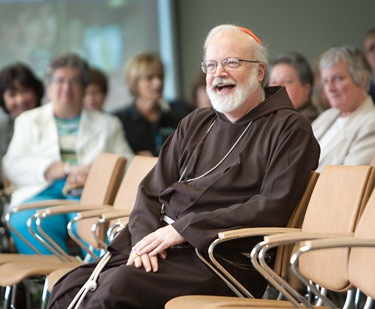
{"x":369,"y":303}
{"x":7,"y":296}
{"x":349,"y":299}
{"x":45,"y":295}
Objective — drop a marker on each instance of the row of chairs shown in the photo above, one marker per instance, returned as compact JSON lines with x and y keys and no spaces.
{"x":107,"y":191}
{"x":332,"y":205}
{"x":338,"y":214}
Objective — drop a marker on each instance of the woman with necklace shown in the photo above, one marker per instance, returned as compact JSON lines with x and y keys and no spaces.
{"x":55,"y":144}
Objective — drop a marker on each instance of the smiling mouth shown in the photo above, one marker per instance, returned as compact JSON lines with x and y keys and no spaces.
{"x":223,"y":86}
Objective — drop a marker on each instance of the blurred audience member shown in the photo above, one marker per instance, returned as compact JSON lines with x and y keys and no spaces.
{"x":96,"y":91}
{"x":55,"y":144}
{"x":200,"y":97}
{"x":149,"y":120}
{"x":369,"y":50}
{"x":293,"y":71}
{"x":318,"y":96}
{"x":346,"y":131}
{"x":20,"y":90}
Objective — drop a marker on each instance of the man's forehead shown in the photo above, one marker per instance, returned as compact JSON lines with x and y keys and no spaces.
{"x":231,"y":43}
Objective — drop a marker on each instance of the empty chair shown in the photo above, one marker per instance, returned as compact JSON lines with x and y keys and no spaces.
{"x":361,"y":267}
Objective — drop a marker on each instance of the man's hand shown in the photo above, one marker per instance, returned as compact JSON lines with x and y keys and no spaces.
{"x":145,"y":252}
{"x":149,"y":263}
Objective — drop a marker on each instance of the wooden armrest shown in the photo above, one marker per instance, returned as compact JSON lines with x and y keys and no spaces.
{"x":121,"y":213}
{"x":44,"y":204}
{"x":337,"y":242}
{"x":94,"y":213}
{"x":61,"y":209}
{"x":301,"y":236}
{"x":251,"y":232}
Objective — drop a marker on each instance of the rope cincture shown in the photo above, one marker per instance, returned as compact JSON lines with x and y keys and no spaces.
{"x":91,"y":284}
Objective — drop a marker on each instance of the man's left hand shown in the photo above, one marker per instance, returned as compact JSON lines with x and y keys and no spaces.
{"x":155,"y":243}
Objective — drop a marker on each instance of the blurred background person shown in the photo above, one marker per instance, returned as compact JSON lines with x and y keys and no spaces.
{"x":20,"y":90}
{"x":149,"y":119}
{"x":96,"y":91}
{"x":318,"y":96}
{"x":369,"y":50}
{"x":346,"y":131}
{"x":200,"y":97}
{"x":292,"y":70}
{"x":56,"y":144}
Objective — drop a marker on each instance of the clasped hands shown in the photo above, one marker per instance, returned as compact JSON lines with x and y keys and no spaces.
{"x":78,"y":174}
{"x":145,"y":252}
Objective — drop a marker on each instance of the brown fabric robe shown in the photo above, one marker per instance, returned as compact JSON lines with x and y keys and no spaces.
{"x":258,"y":184}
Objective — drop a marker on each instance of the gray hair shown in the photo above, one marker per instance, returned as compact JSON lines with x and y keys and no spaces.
{"x":69,"y":61}
{"x":260,"y":52}
{"x":353,"y":58}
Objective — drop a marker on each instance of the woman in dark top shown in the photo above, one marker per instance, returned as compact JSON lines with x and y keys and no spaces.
{"x":149,"y":120}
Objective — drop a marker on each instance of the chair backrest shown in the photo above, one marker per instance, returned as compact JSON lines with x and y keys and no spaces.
{"x":361,"y":268}
{"x":138,"y":168}
{"x":284,"y":253}
{"x":337,"y":201}
{"x":101,"y":187}
{"x":104,"y":179}
{"x":125,"y":197}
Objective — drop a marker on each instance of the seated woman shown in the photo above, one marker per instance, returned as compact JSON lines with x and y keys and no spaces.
{"x":20,"y":90}
{"x":55,"y":144}
{"x":149,"y":120}
{"x":346,"y":131}
{"x":96,"y":91}
{"x":293,"y":71}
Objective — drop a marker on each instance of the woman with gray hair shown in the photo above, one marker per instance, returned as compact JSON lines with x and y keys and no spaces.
{"x":346,"y":131}
{"x":55,"y":144}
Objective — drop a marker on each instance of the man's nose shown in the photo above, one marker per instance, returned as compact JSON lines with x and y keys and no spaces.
{"x":220,"y":70}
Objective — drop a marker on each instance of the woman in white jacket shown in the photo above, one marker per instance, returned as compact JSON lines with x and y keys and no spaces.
{"x":55,"y":144}
{"x":346,"y":131}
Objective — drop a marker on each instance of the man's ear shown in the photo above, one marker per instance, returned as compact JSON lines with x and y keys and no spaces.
{"x":261,"y":72}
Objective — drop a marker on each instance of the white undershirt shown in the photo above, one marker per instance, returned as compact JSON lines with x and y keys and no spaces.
{"x":332,"y":131}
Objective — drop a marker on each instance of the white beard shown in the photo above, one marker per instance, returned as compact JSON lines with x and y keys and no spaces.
{"x":229,"y":103}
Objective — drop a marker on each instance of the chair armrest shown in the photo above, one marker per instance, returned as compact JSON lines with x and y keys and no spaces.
{"x":87,"y":214}
{"x":338,"y":242}
{"x":252,"y":232}
{"x":279,"y":239}
{"x":44,"y":204}
{"x":118,"y":214}
{"x":61,"y":209}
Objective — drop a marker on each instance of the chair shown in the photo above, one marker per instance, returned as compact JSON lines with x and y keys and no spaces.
{"x":336,"y":203}
{"x":19,"y":270}
{"x":122,"y":206}
{"x":283,"y":253}
{"x":101,"y":187}
{"x":361,"y":267}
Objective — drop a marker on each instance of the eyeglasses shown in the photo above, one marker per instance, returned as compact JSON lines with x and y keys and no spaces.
{"x":71,"y":82}
{"x":209,"y":66}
